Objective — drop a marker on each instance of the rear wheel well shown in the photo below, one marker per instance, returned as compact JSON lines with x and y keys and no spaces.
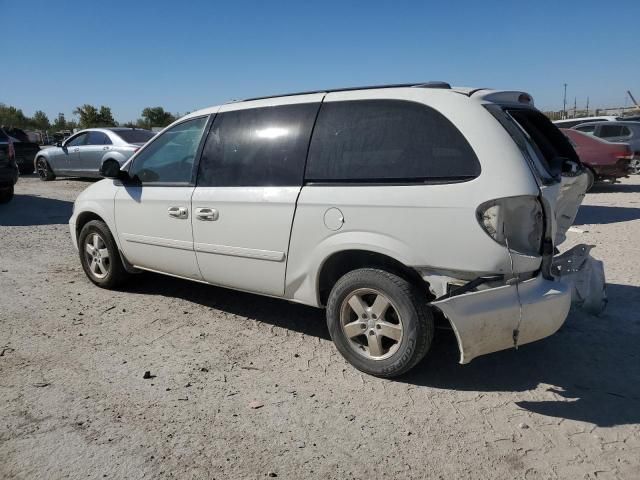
{"x":345,"y":261}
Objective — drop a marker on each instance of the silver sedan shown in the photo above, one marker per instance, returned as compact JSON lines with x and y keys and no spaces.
{"x":82,"y":154}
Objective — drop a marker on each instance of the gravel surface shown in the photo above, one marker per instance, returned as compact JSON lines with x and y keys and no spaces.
{"x":241,"y":386}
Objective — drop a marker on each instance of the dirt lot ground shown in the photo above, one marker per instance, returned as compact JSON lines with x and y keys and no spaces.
{"x":73,"y":403}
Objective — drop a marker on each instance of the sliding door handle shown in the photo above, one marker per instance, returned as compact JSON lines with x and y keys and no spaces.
{"x":207,"y":214}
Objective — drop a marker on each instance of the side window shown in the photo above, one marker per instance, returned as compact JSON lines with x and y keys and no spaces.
{"x":626,"y":132}
{"x":258,"y":147}
{"x":97,"y":138}
{"x":169,"y":158}
{"x":610,"y":131}
{"x":586,"y":128}
{"x":386,"y":141}
{"x":77,"y":141}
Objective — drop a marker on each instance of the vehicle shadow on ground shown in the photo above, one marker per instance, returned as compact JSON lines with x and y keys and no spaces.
{"x":591,"y":366}
{"x":27,"y":210}
{"x":292,"y":316}
{"x":602,"y":214}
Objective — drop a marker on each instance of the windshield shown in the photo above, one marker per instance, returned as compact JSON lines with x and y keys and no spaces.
{"x":135,"y":136}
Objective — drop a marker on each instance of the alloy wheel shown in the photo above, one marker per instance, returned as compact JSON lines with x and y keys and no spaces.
{"x":97,"y":256}
{"x":41,"y":168}
{"x":371,"y":323}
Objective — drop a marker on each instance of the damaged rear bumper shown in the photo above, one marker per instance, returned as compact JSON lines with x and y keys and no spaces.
{"x":484,"y":321}
{"x":492,"y":319}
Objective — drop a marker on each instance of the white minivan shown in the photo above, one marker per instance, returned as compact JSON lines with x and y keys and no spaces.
{"x":385,"y":205}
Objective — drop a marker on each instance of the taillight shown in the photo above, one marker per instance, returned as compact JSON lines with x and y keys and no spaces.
{"x":12,"y":150}
{"x":625,"y":154}
{"x":516,"y":222}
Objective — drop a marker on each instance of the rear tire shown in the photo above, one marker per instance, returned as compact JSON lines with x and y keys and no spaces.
{"x":379,"y":322}
{"x":592,"y":178}
{"x":6,"y":194}
{"x":99,"y":255}
{"x":44,"y":170}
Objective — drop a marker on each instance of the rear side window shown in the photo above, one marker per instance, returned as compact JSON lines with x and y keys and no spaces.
{"x":610,"y":131}
{"x":98,"y":138}
{"x":258,"y":147}
{"x":387,"y":141}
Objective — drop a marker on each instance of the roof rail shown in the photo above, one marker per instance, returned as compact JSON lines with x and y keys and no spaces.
{"x":444,"y":85}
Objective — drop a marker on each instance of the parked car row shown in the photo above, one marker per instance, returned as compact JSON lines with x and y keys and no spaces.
{"x":609,"y":129}
{"x":379,"y":204}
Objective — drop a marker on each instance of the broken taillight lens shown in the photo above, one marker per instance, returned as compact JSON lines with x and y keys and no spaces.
{"x":516,"y":222}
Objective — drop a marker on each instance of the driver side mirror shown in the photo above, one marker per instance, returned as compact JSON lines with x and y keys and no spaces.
{"x":58,"y":144}
{"x":111,"y":169}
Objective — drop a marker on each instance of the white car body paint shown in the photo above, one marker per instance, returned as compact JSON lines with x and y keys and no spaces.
{"x":275,"y":240}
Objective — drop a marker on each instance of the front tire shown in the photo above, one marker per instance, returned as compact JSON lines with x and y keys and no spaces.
{"x":6,"y":194}
{"x":379,"y":322}
{"x":44,"y":170}
{"x":99,"y":255}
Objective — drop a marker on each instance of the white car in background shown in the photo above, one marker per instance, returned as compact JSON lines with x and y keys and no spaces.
{"x":381,"y":204}
{"x":572,"y":122}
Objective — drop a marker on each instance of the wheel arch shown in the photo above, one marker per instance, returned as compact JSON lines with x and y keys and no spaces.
{"x":88,"y":215}
{"x":341,"y":262}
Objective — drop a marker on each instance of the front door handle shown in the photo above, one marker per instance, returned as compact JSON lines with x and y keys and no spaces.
{"x":178,"y":212}
{"x":207,"y":214}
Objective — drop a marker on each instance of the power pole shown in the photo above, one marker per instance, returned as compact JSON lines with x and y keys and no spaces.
{"x":575,"y":107}
{"x":587,"y":106}
{"x":564,"y":102}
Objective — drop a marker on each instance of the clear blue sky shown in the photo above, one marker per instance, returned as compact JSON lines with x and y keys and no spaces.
{"x":185,"y":55}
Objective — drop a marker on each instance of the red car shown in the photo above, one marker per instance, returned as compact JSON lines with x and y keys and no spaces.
{"x":606,"y":160}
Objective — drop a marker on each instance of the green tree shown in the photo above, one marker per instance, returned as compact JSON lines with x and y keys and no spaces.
{"x":89,"y":116}
{"x":105,"y":118}
{"x":156,"y":117}
{"x":40,"y":121}
{"x":12,"y":117}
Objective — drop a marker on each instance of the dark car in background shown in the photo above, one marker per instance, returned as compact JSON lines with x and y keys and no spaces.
{"x":25,"y":149}
{"x":606,"y":161}
{"x":8,"y":168}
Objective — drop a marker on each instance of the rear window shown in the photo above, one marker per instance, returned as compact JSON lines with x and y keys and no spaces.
{"x":387,"y":141}
{"x":135,"y":136}
{"x":3,"y":137}
{"x":18,"y":134}
{"x":549,"y":142}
